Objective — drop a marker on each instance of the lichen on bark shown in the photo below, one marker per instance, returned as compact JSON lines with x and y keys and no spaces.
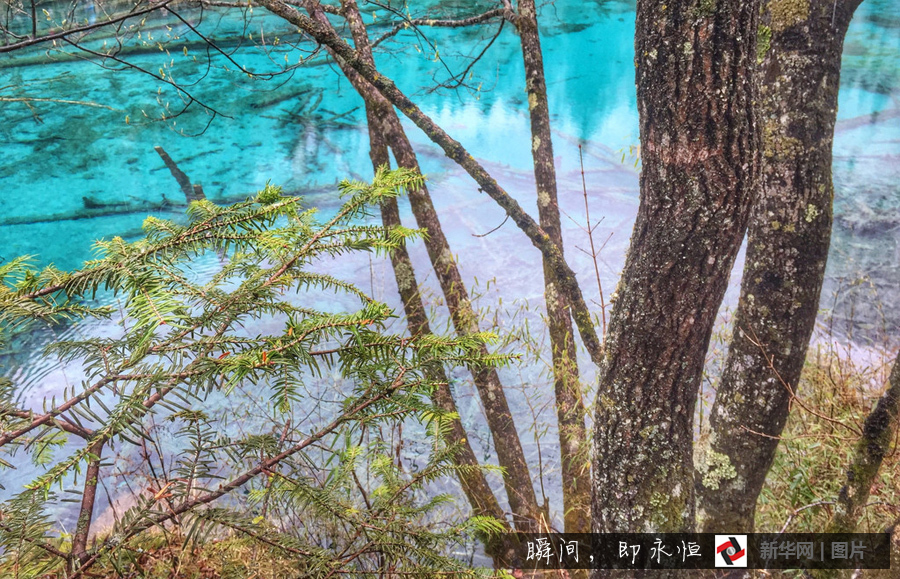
{"x":787,"y":248}
{"x":701,"y":149}
{"x":786,"y":13}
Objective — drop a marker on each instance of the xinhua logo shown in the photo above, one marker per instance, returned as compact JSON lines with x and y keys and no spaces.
{"x":730,"y":552}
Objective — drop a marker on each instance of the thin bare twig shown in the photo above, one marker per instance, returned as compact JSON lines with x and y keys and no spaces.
{"x":432,"y":22}
{"x":62,"y":101}
{"x":800,"y":510}
{"x":594,"y":252}
{"x":64,"y":34}
{"x":793,"y":397}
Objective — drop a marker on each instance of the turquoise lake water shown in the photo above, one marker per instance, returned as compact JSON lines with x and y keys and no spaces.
{"x":304,"y":132}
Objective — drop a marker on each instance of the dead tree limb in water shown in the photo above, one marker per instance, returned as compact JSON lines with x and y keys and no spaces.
{"x":191,"y":192}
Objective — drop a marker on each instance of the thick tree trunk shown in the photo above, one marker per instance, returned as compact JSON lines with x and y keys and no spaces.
{"x":700,"y":147}
{"x":787,"y":248}
{"x":510,"y":455}
{"x":570,"y":411}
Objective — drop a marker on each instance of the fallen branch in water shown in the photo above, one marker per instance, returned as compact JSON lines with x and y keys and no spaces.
{"x":191,"y":192}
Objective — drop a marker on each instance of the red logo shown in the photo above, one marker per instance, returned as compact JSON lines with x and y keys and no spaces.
{"x":729,"y":552}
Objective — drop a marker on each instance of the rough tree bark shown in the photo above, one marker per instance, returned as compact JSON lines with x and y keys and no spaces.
{"x":700,"y":148}
{"x":570,"y":411}
{"x":787,"y":248}
{"x":510,"y":455}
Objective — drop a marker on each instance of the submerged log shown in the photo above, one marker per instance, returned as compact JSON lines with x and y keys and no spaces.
{"x":94,"y":208}
{"x":103,"y":210}
{"x":192,"y":192}
{"x":865,"y":120}
{"x":91,"y":203}
{"x":183,"y":181}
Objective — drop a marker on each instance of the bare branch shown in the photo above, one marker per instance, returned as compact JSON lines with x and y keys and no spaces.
{"x":453,"y":149}
{"x":64,"y":34}
{"x":436,"y":23}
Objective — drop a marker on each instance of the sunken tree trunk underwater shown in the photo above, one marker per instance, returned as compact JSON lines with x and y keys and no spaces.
{"x":787,"y":248}
{"x":570,"y":410}
{"x":700,"y":148}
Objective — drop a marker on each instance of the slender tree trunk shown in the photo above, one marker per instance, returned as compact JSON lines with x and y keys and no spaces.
{"x":868,"y":454}
{"x":787,"y":248}
{"x":570,"y":410}
{"x":510,"y":455}
{"x":519,"y":486}
{"x":700,"y":147}
{"x":88,"y":496}
{"x":568,"y":283}
{"x":865,"y":462}
{"x":472,"y":479}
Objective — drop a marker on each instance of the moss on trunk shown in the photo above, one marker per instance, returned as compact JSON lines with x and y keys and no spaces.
{"x":700,"y":147}
{"x":787,"y":248}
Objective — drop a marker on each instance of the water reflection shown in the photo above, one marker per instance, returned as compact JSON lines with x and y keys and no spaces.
{"x":304,"y":131}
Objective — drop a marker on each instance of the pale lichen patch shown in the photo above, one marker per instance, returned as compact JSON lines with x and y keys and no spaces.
{"x":776,"y":144}
{"x":811,"y":213}
{"x":715,"y":469}
{"x":543,"y":198}
{"x":405,"y":277}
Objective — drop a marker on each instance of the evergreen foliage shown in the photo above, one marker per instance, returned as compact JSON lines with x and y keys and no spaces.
{"x":315,"y":485}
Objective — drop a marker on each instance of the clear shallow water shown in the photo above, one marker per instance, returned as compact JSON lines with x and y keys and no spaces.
{"x":274,"y":132}
{"x":305,"y":133}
